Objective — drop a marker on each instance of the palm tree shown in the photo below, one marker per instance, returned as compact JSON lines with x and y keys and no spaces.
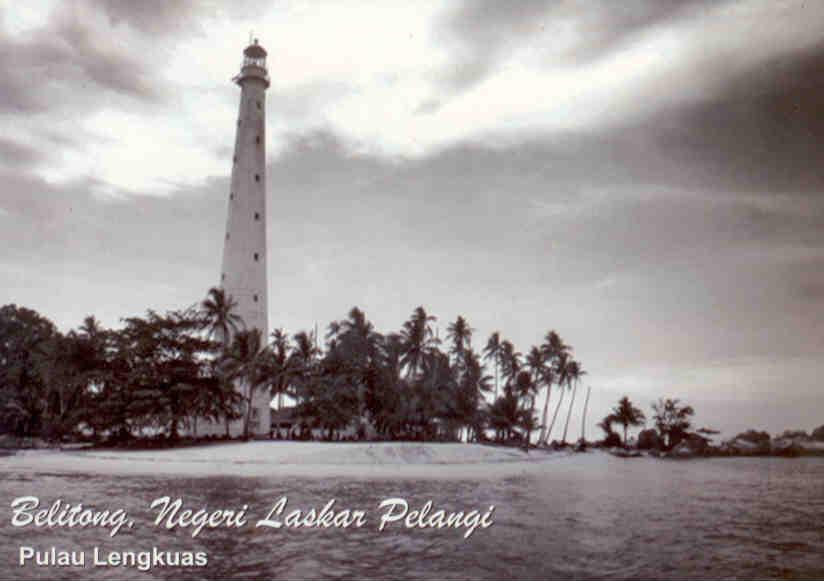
{"x":510,"y":363}
{"x":359,"y":346}
{"x":357,"y":338}
{"x":606,"y":424}
{"x":561,"y":371}
{"x":473,"y":385}
{"x":332,"y":333}
{"x":575,"y":372}
{"x":627,"y":415}
{"x":249,"y":361}
{"x":301,"y":363}
{"x":280,"y":352}
{"x":584,"y":416}
{"x":219,"y":315}
{"x":221,"y":321}
{"x":536,"y":363}
{"x":526,"y":388}
{"x":553,"y":347}
{"x":493,"y":351}
{"x":505,"y":414}
{"x":419,"y":340}
{"x":460,"y":333}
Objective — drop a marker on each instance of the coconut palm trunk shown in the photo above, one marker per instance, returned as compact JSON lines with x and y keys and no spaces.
{"x":247,"y":419}
{"x":545,"y":414}
{"x":529,"y":428}
{"x":569,"y":413}
{"x":496,"y":380}
{"x":554,"y":415}
{"x":584,"y":415}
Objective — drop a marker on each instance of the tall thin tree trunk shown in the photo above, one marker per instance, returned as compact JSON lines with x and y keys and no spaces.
{"x":584,"y":415}
{"x":555,"y":415}
{"x":542,"y":435}
{"x":496,"y":380}
{"x":569,"y":413}
{"x":248,"y":415}
{"x":529,"y":429}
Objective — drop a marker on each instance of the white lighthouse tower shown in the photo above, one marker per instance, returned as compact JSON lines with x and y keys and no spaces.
{"x":243,"y":272}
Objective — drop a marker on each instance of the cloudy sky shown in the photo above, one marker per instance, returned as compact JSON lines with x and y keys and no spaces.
{"x":645,"y":177}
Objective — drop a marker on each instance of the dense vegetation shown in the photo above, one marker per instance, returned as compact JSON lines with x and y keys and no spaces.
{"x":159,"y":373}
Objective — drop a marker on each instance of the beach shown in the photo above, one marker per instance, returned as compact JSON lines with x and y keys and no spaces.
{"x":300,"y":459}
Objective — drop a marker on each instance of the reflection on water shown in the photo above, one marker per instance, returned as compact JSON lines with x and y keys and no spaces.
{"x":600,"y":518}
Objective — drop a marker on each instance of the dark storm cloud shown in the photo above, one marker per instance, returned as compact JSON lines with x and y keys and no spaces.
{"x":762,"y":130}
{"x":68,"y":63}
{"x":59,"y":222}
{"x":112,"y":251}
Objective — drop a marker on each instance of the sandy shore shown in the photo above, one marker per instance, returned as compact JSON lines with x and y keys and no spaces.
{"x":306,"y":459}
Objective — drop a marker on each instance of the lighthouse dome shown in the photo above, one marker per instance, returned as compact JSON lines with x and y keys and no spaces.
{"x":255,"y":51}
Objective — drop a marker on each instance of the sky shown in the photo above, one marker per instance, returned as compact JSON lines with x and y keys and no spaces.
{"x":645,"y":177}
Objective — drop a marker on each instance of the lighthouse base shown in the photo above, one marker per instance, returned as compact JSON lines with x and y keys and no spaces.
{"x":259,"y":422}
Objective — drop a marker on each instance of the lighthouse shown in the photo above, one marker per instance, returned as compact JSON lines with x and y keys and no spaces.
{"x":243,"y":271}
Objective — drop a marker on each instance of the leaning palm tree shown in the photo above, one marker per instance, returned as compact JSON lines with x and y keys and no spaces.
{"x":219,"y":316}
{"x":575,"y":372}
{"x":626,"y":414}
{"x":552,"y":347}
{"x":561,"y":371}
{"x":536,"y":363}
{"x":493,"y":351}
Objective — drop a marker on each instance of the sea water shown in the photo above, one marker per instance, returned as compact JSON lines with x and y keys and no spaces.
{"x":589,"y":517}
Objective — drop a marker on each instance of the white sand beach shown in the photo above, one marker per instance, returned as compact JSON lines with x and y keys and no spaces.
{"x":306,"y":459}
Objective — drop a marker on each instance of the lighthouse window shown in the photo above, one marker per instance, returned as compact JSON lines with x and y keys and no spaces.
{"x":255,"y":298}
{"x":227,"y":236}
{"x":257,"y":256}
{"x":234,"y":159}
{"x":257,"y":216}
{"x":257,"y":177}
{"x":223,"y":276}
{"x":257,"y":139}
{"x":231,"y":195}
{"x":258,"y":105}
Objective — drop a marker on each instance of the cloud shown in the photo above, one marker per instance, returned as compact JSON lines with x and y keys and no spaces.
{"x":646,"y":179}
{"x":68,"y":63}
{"x":487,"y":33}
{"x":13,"y":153}
{"x":154,"y":16}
